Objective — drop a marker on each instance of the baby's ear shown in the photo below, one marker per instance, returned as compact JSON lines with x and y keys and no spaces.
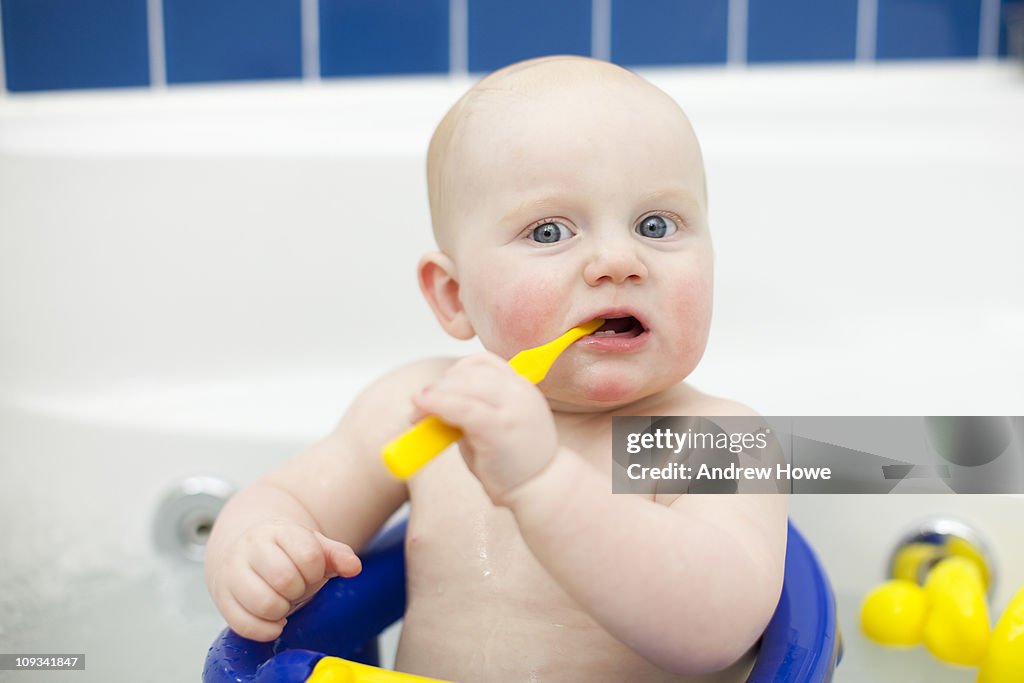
{"x":437,"y":277}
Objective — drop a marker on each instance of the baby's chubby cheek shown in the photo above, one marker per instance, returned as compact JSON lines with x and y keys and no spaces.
{"x":690,"y":306}
{"x":524,"y":314}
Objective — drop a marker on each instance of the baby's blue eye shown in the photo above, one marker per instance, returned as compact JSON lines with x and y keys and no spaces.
{"x":657,"y":227}
{"x":549,"y":233}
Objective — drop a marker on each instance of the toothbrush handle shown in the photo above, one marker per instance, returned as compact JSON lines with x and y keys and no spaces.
{"x":410,"y":451}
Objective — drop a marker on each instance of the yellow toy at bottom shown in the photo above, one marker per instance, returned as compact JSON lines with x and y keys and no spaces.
{"x":950,"y":616}
{"x":894,"y":613}
{"x":956,"y":629}
{"x":1004,"y":661}
{"x":337,"y":670}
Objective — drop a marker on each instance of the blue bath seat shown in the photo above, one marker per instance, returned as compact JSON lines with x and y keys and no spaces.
{"x":801,"y":644}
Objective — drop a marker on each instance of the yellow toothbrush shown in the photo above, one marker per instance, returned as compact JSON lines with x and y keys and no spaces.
{"x":406,"y":454}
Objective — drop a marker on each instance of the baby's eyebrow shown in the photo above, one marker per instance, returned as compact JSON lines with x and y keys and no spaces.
{"x":533,"y":204}
{"x":550,"y":202}
{"x":675,"y":192}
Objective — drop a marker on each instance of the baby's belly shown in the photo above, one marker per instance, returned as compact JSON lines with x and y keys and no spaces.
{"x":481,"y":641}
{"x":481,"y":609}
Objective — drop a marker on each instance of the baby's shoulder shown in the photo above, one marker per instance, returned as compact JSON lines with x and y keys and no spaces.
{"x":386,"y":399}
{"x":411,"y":376}
{"x":384,"y":407}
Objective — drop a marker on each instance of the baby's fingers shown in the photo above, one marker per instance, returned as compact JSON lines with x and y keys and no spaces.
{"x":249,"y":625}
{"x":418,"y":412}
{"x":340,"y":558}
{"x":259,"y":598}
{"x":304,"y":550}
{"x":464,"y":411}
{"x":276,"y":565}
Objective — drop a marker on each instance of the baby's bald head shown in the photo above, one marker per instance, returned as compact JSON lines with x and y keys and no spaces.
{"x":487,"y":117}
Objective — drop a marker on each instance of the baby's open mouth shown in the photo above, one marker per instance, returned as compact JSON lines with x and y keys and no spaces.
{"x":627,"y":328}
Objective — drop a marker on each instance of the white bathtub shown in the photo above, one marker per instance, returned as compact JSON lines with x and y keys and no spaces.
{"x":196,"y":281}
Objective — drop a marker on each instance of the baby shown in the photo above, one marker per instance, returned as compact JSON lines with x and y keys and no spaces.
{"x":562,"y":189}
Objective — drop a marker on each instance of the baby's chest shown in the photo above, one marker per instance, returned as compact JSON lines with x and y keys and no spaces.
{"x":457,"y":540}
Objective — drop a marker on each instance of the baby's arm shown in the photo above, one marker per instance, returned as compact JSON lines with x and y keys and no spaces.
{"x":276,"y":542}
{"x":690,"y":586}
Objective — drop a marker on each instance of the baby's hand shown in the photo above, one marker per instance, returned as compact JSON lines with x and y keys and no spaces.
{"x":509,"y":433}
{"x":270,"y":571}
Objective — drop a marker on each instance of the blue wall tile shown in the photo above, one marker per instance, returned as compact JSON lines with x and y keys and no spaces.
{"x":63,"y":44}
{"x":1006,"y":7}
{"x":914,"y":29}
{"x":225,"y":40}
{"x":801,"y":30}
{"x":502,"y":32}
{"x":58,"y":44}
{"x":669,"y":31}
{"x":363,"y":37}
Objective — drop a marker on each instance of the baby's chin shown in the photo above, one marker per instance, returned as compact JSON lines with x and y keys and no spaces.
{"x":591,"y":394}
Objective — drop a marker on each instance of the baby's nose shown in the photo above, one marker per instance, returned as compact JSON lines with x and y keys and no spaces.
{"x":617,"y":264}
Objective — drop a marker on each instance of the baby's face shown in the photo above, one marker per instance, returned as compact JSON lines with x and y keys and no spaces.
{"x":584,"y":201}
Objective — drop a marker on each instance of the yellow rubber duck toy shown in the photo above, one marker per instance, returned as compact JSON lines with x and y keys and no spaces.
{"x":949,"y":614}
{"x":956,"y":629}
{"x":894,"y":613}
{"x":1004,"y":661}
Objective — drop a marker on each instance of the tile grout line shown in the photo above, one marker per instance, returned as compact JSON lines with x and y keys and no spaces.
{"x":157,"y":49}
{"x":309,"y":18}
{"x":867,"y":31}
{"x":601,"y":29}
{"x":736,"y":37}
{"x":458,"y":37}
{"x":988,"y":29}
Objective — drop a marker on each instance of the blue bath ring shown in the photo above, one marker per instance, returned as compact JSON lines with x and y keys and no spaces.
{"x":800,"y":645}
